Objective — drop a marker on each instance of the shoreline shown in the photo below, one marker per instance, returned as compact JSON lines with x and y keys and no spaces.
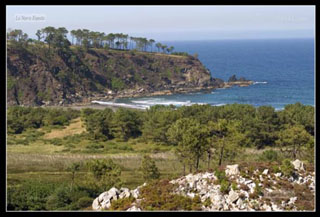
{"x":99,"y":103}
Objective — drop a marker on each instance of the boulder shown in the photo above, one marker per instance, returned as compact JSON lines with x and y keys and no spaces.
{"x":135,"y":193}
{"x":134,"y":208}
{"x":265,"y":172}
{"x":292,"y":200}
{"x":298,"y":165}
{"x":96,"y":204}
{"x":233,"y":196}
{"x":278,"y":174}
{"x":232,"y":170}
{"x":240,"y":204}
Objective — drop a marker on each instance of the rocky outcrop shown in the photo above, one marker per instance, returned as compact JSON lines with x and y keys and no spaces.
{"x":241,"y":82}
{"x":242,"y":196}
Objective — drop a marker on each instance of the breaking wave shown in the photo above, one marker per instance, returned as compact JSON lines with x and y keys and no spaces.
{"x":260,"y":82}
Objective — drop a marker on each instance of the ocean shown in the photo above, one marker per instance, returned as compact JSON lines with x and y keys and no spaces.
{"x":282,"y":69}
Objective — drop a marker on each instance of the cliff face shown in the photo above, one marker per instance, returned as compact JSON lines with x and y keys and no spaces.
{"x":36,"y":76}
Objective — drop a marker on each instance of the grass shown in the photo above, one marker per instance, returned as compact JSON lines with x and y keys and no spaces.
{"x":75,"y":127}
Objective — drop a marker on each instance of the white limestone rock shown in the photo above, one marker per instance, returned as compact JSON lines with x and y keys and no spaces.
{"x":134,"y":208}
{"x":298,"y":165}
{"x":232,"y":170}
{"x":233,"y":196}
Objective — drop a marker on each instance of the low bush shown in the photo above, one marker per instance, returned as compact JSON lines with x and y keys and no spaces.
{"x":29,"y":195}
{"x":269,"y":155}
{"x":287,"y":168}
{"x":224,"y":186}
{"x":84,"y":202}
{"x":158,"y":196}
{"x":122,"y":204}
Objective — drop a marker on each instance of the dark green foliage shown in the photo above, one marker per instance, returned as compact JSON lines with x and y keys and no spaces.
{"x":98,"y":123}
{"x":22,"y":118}
{"x":117,"y":84}
{"x":126,"y":124}
{"x":294,"y":139}
{"x":269,"y":155}
{"x":149,"y":169}
{"x":298,"y":114}
{"x":104,"y":175}
{"x":158,"y":196}
{"x":67,"y":198}
{"x":180,"y":53}
{"x":30,"y":195}
{"x":84,"y":202}
{"x":157,"y":121}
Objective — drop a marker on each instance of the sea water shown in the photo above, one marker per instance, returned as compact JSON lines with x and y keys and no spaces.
{"x":282,"y":70}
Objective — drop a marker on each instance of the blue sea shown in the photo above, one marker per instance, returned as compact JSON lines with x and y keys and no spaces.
{"x":283,"y":71}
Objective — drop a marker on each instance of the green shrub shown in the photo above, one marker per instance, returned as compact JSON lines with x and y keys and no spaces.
{"x":234,"y":186}
{"x":224,"y":186}
{"x":56,"y":141}
{"x":287,"y":168}
{"x":66,"y":198}
{"x":30,"y":195}
{"x":94,"y":146}
{"x":122,"y":204}
{"x":220,"y":174}
{"x":158,"y":196}
{"x":84,"y":202}
{"x":104,"y":175}
{"x":149,"y":169}
{"x":269,"y":155}
{"x":275,"y":169}
{"x":207,"y":202}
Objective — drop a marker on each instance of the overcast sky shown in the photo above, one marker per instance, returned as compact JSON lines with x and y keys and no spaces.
{"x":164,"y":23}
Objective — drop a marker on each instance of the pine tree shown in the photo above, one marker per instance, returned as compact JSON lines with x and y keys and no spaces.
{"x":149,"y":169}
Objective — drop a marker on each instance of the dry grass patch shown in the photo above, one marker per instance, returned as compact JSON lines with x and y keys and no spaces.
{"x":75,"y":127}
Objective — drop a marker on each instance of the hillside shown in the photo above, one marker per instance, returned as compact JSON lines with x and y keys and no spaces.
{"x":39,"y":76}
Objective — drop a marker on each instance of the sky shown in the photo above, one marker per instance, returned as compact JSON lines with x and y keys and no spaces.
{"x":171,"y":23}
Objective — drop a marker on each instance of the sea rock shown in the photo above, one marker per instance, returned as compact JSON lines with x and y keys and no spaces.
{"x":232,"y":170}
{"x":298,"y":165}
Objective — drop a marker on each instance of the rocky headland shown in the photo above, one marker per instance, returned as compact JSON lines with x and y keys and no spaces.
{"x":77,"y":77}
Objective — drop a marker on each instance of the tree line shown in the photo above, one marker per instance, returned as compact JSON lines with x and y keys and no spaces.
{"x":197,"y":132}
{"x":57,"y":37}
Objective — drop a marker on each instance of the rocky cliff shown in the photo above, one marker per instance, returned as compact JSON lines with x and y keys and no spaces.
{"x":36,"y":76}
{"x":259,"y":190}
